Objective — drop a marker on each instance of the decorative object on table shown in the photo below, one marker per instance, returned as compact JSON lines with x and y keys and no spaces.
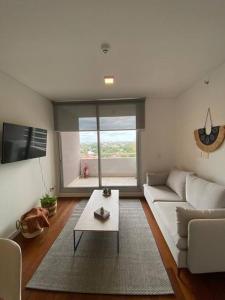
{"x":102,"y":214}
{"x":212,"y":141}
{"x":106,"y":192}
{"x":32,"y":223}
{"x":50,"y":203}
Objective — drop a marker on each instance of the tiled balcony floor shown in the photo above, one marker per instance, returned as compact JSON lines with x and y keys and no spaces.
{"x":106,"y":181}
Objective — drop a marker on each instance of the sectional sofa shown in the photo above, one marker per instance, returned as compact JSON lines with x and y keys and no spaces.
{"x":190,"y":212}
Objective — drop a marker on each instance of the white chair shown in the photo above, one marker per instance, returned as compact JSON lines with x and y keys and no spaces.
{"x":10,"y":270}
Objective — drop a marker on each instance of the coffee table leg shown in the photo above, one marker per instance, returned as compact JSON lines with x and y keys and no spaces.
{"x":118,"y":242}
{"x":74,"y":240}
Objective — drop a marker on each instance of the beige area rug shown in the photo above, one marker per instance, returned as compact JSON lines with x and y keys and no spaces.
{"x":97,"y":268}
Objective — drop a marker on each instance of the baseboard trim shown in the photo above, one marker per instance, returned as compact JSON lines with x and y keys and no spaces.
{"x":13,"y":235}
{"x":86,"y":194}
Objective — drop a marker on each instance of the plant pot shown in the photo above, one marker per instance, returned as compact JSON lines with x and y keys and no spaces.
{"x":52,"y":209}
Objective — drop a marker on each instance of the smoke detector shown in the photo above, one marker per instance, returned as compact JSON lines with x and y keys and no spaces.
{"x":105,"y":47}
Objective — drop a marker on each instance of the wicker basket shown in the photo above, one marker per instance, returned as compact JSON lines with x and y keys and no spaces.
{"x":21,"y":225}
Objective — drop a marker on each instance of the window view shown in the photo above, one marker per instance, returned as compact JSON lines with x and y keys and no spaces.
{"x":113,"y":144}
{"x":79,"y":159}
{"x":117,"y":158}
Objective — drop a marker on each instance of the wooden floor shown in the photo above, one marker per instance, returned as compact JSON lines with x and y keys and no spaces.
{"x":187,"y":287}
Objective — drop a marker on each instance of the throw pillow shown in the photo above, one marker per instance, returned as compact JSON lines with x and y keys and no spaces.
{"x":156,"y":178}
{"x":203,"y":194}
{"x":177,"y":181}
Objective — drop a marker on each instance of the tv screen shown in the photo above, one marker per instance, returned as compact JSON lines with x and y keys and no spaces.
{"x":22,"y":142}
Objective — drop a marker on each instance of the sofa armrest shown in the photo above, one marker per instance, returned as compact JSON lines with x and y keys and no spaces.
{"x":156,"y":178}
{"x":206,"y":245}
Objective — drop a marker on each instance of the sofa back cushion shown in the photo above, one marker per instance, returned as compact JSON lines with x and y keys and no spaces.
{"x":203,"y":194}
{"x":177,"y":181}
{"x":159,"y":178}
{"x":185,"y":215}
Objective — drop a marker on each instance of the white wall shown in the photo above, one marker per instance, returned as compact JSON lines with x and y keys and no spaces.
{"x":191,"y":108}
{"x":20,"y":182}
{"x":158,"y":137}
{"x":70,"y":142}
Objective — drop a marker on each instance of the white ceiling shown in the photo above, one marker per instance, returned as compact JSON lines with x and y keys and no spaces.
{"x":158,"y":47}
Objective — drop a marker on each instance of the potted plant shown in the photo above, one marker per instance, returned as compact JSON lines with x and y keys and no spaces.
{"x":50,"y":203}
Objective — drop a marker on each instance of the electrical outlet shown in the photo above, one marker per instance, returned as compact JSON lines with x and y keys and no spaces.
{"x":52,"y":188}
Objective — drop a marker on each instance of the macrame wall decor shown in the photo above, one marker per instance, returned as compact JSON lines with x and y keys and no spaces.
{"x":209,"y":142}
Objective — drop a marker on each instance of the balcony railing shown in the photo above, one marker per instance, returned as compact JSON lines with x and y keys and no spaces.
{"x":118,"y":171}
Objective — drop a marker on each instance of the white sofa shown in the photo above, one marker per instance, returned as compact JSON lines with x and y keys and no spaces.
{"x":190,"y":212}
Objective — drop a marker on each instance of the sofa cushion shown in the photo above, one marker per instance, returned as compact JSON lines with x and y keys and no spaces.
{"x":185,"y":215}
{"x":161,"y":193}
{"x":203,"y":194}
{"x":177,"y":181}
{"x":156,"y":178}
{"x":167,"y":213}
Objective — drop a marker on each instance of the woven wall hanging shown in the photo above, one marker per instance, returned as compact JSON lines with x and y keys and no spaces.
{"x":212,"y":141}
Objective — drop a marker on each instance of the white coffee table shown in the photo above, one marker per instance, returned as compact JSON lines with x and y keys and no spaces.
{"x":87,"y":221}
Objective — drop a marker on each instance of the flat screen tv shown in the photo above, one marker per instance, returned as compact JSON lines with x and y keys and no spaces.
{"x":22,"y":142}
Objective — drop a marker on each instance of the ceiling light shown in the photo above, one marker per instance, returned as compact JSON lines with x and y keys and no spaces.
{"x":109,"y":80}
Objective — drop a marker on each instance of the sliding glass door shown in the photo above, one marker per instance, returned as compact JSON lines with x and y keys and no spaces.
{"x":118,"y":158}
{"x":98,"y":144}
{"x":118,"y":145}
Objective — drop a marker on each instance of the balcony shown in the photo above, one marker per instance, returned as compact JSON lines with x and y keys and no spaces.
{"x":115,"y":172}
{"x":118,"y":163}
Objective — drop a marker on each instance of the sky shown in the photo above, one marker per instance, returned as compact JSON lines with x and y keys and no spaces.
{"x":90,"y":137}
